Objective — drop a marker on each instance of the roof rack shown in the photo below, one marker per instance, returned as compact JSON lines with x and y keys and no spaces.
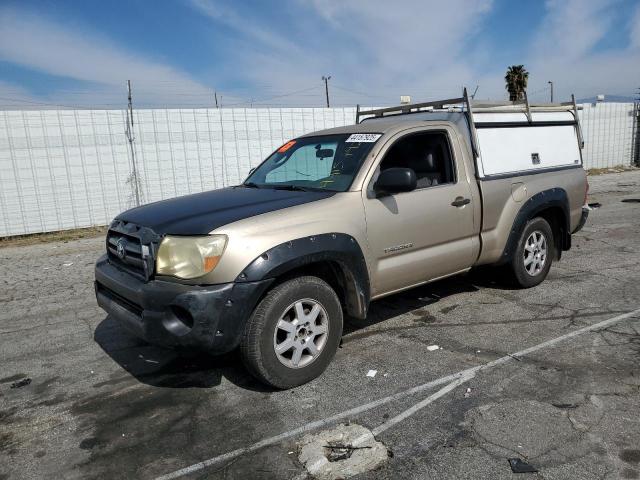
{"x":407,"y":108}
{"x":460,"y":103}
{"x":467,"y":105}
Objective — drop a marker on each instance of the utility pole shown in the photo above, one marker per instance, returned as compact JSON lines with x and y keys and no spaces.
{"x":134,"y":172}
{"x":635,"y":157}
{"x":215,"y":94}
{"x":326,"y":87}
{"x":551,"y":83}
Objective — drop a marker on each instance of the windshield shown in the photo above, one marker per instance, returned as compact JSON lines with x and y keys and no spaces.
{"x":328,"y":162}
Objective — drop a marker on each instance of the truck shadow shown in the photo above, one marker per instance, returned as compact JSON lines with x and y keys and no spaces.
{"x":414,"y":300}
{"x":169,"y":368}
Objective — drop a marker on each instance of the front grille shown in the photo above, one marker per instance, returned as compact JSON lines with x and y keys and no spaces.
{"x":132,"y":248}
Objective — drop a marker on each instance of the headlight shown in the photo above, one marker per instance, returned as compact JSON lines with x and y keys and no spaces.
{"x":189,"y":257}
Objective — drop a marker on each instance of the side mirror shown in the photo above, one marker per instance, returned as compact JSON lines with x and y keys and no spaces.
{"x":396,"y":180}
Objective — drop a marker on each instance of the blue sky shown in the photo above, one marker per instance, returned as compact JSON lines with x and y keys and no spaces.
{"x":253,"y":52}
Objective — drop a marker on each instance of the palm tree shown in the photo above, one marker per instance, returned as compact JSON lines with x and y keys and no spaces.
{"x":516,"y":82}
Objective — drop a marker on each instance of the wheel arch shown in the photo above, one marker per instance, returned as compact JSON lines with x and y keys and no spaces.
{"x":334,"y":257}
{"x":553,"y":206}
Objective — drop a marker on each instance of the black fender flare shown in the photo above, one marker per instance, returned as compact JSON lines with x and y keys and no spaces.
{"x":337,"y":248}
{"x":552,"y":198}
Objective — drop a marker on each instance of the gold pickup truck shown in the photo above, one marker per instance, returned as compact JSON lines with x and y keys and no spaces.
{"x":337,"y":218}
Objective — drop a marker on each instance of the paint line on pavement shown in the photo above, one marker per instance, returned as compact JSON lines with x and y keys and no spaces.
{"x":454,"y":380}
{"x":471,"y":372}
{"x":420,"y":405}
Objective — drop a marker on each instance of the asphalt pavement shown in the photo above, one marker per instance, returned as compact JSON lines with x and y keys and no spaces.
{"x":80,"y":398}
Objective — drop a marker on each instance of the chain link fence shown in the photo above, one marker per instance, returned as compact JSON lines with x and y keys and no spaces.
{"x":64,"y":169}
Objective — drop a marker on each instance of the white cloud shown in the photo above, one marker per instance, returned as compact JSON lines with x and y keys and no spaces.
{"x":379,"y":47}
{"x":424,"y":48}
{"x":565,"y":51}
{"x":430,"y":48}
{"x":571,"y":28}
{"x":414,"y":35}
{"x":40,"y":44}
{"x":222,"y":13}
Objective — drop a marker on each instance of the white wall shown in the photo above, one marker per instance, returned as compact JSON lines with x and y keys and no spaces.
{"x":62,"y":169}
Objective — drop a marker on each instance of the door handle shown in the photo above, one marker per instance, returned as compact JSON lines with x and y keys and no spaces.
{"x":461,"y":202}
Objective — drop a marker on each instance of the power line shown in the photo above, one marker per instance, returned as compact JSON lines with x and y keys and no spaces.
{"x":356,"y":92}
{"x":273,"y":97}
{"x":50,"y":104}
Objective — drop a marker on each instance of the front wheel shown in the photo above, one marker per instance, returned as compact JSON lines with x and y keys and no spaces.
{"x":293,"y":333}
{"x":534,"y":253}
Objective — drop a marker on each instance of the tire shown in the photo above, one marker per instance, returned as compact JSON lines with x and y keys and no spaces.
{"x":534,"y":254}
{"x":292,"y":317}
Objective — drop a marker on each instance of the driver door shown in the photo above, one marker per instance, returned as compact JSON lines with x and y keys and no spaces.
{"x":426,"y":233}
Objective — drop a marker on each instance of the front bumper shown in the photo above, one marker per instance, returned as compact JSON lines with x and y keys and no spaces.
{"x":172,"y":314}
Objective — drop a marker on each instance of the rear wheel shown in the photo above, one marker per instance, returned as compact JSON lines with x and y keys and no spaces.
{"x":293,"y":333}
{"x":534,"y":253}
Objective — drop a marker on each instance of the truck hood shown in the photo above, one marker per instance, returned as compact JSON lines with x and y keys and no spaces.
{"x":201,"y":213}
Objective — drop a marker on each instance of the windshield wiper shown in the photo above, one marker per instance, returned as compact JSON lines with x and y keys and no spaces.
{"x":293,"y":188}
{"x":250,"y":185}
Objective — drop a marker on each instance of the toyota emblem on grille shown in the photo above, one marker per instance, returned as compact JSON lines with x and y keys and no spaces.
{"x":120,"y":248}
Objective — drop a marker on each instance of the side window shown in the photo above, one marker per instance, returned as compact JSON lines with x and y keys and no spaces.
{"x":304,"y":164}
{"x":428,"y":154}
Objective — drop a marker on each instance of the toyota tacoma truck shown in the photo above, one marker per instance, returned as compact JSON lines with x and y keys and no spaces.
{"x":335,"y":219}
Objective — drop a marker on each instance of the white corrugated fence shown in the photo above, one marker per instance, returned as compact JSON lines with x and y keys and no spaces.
{"x":63,"y":169}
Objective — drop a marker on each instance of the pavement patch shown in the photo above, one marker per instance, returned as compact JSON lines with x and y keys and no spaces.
{"x":524,"y":427}
{"x":341,"y":452}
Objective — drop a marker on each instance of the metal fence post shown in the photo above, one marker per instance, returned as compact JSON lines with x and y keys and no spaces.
{"x":635,"y":141}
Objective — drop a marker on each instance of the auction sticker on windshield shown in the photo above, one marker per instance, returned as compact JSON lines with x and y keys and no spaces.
{"x":363,"y":137}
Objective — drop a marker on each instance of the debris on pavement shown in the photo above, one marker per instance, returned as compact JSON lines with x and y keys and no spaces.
{"x":594,"y":205}
{"x":431,"y":348}
{"x":341,"y":452}
{"x":467,"y":393}
{"x":565,"y":406}
{"x":68,"y":264}
{"x":630,"y":200}
{"x":372,"y":373}
{"x":21,"y":383}
{"x":519,"y":466}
